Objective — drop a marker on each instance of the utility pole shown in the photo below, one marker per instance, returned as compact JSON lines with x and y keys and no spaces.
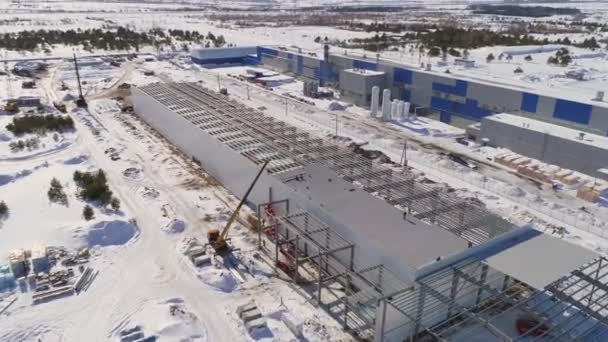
{"x":285,"y":107}
{"x":248,"y":98}
{"x":336,"y":125}
{"x":404,"y":155}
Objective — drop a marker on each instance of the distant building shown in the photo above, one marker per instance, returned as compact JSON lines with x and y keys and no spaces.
{"x":28,"y":101}
{"x":28,"y":68}
{"x":356,"y":85}
{"x":467,"y":63}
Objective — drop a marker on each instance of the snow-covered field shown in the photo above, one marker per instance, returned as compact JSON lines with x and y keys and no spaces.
{"x":144,"y":282}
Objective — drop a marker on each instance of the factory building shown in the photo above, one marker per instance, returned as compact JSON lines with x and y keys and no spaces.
{"x":451,"y":99}
{"x":213,"y":57}
{"x":566,"y":147}
{"x":414,"y":261}
{"x":357,"y":85}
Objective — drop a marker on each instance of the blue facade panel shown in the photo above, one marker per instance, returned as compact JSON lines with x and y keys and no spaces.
{"x":267,"y":51}
{"x":445,"y":117}
{"x":299,"y":64}
{"x":290,"y":63}
{"x":403,"y":75}
{"x":470,"y":109}
{"x":572,"y":111}
{"x":324,"y":73}
{"x":529,"y":102}
{"x":459,"y":89}
{"x":357,"y":64}
{"x":229,"y":60}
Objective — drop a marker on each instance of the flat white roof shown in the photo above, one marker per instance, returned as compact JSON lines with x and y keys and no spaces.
{"x":365,"y":72}
{"x":541,"y":260}
{"x":550,"y":129}
{"x":275,"y":78}
{"x":373,"y":224}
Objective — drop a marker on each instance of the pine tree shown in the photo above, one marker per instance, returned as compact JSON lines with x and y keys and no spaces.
{"x":3,"y":209}
{"x":88,"y":213}
{"x":115,"y":203}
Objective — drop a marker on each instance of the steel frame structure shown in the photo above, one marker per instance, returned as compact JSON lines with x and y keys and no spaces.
{"x":573,"y":308}
{"x":445,"y":305}
{"x":259,"y":137}
{"x":312,"y":242}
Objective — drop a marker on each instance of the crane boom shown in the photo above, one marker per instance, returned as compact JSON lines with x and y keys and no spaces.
{"x":238,"y":208}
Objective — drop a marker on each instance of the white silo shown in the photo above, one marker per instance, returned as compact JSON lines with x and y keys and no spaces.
{"x":399,"y":113}
{"x":386,"y":104}
{"x":394,"y":107}
{"x":375,"y":100}
{"x":406,"y":110}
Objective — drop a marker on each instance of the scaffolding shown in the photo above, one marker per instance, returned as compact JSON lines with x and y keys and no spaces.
{"x":257,"y":136}
{"x":316,"y":258}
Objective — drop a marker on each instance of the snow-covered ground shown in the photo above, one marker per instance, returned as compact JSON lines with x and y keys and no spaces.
{"x":145,"y":284}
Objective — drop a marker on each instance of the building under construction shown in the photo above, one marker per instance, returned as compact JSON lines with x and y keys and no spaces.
{"x":389,"y":256}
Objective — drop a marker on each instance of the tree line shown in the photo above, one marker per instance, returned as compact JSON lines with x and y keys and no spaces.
{"x":120,"y":38}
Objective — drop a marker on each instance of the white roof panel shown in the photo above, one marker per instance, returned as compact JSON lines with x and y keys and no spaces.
{"x":541,"y":260}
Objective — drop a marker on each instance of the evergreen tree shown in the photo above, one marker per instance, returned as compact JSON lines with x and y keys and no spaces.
{"x":115,"y":203}
{"x":88,"y":213}
{"x":3,"y":210}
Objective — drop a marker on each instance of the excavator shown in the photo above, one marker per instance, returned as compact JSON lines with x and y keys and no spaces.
{"x":218,"y":239}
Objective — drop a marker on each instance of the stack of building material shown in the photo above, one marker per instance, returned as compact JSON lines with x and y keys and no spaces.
{"x":592,"y":192}
{"x":7,"y":280}
{"x":53,"y":293}
{"x":506,"y":159}
{"x":571,"y":179}
{"x":40,"y":260}
{"x":17,"y":262}
{"x":251,"y":316}
{"x":562,"y":175}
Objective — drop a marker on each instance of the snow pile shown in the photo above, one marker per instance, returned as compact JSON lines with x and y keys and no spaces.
{"x":5,"y":179}
{"x":174,"y":226}
{"x":219,"y":279}
{"x":76,"y":160}
{"x":132,"y":173}
{"x":110,"y":233}
{"x":167,"y":320}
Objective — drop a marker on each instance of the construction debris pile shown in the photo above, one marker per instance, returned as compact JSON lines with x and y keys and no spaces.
{"x":46,"y":271}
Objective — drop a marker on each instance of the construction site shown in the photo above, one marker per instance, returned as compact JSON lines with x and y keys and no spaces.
{"x":389,"y":256}
{"x":293,"y":171}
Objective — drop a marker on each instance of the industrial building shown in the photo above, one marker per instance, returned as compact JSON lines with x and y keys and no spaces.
{"x":414,"y":261}
{"x":456,"y":100}
{"x":550,"y":143}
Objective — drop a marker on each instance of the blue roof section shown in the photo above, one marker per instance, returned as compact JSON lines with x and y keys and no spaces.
{"x":459,"y":89}
{"x":572,"y":111}
{"x":403,"y":75}
{"x":529,"y":102}
{"x":357,"y":64}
